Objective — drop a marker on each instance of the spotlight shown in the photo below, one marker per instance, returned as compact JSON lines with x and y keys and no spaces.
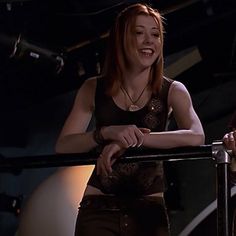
{"x":20,"y":49}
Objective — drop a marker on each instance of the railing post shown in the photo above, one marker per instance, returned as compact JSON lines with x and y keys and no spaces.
{"x":222,"y":158}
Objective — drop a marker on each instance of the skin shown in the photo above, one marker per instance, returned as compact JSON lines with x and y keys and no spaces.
{"x":75,"y":139}
{"x":148,"y":45}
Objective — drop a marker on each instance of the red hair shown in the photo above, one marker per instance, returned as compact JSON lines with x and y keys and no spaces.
{"x":121,"y":36}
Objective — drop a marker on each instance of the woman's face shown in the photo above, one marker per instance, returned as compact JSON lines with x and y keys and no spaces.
{"x":148,"y":40}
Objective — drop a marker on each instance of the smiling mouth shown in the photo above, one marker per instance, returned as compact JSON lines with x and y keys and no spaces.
{"x":146,"y":52}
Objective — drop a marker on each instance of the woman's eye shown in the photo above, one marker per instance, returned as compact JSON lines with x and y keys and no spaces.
{"x":156,"y":35}
{"x":139,"y":32}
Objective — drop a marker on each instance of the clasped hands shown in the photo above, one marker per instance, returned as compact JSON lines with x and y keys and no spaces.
{"x":121,"y":137}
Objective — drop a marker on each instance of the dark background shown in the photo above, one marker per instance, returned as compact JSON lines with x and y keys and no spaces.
{"x":47,"y":50}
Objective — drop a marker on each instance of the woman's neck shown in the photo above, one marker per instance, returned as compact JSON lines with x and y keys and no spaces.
{"x":136,"y":79}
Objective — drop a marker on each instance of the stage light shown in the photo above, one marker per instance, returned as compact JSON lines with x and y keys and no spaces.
{"x":20,"y":49}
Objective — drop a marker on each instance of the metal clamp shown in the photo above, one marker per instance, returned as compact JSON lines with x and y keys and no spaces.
{"x":220,"y":153}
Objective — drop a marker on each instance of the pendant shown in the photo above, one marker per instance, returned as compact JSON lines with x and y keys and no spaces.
{"x":133,"y":107}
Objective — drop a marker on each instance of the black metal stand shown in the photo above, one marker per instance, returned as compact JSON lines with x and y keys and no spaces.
{"x":223,"y":191}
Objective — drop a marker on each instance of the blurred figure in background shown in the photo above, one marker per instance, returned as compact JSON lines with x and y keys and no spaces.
{"x":229,"y":140}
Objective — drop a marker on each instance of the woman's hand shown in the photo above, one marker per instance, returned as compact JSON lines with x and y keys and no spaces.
{"x":109,"y":155}
{"x":229,"y":140}
{"x":126,"y":135}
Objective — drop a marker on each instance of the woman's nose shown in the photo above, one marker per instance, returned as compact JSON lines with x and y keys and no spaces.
{"x":148,"y":39}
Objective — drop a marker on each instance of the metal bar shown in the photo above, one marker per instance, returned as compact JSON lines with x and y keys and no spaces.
{"x":223,"y":196}
{"x":131,"y":155}
{"x":223,"y":191}
{"x":215,"y":151}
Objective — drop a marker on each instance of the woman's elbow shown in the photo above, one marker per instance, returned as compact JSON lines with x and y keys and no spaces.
{"x":199,"y":139}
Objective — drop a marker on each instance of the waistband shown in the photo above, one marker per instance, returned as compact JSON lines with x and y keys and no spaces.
{"x":119,"y":203}
{"x":91,"y":190}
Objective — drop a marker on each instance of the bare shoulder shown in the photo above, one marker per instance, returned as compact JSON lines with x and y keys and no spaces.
{"x":86,"y":93}
{"x":177,"y":86}
{"x":88,"y":88}
{"x":90,"y":84}
{"x":178,"y":94}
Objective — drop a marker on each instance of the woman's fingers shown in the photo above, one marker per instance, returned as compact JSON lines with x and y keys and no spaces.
{"x":101,"y":170}
{"x":131,"y":136}
{"x":145,"y":130}
{"x":127,"y":135}
{"x":107,"y":158}
{"x":110,"y":156}
{"x":140,"y":137}
{"x":107,"y":164}
{"x":112,"y":153}
{"x":128,"y":141}
{"x":134,"y":137}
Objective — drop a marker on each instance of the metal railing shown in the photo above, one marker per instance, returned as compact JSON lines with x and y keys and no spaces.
{"x":215,"y":151}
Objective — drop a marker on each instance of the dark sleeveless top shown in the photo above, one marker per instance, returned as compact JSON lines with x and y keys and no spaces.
{"x":142,"y":178}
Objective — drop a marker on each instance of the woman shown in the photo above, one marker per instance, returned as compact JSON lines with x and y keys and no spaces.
{"x":131,"y":103}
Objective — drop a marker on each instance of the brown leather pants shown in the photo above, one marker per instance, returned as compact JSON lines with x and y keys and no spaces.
{"x":113,"y":216}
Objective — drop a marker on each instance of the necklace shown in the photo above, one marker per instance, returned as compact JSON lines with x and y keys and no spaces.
{"x":133,"y":106}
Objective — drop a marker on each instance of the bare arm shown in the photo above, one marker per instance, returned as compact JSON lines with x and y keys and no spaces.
{"x":190,"y":131}
{"x":73,"y":137}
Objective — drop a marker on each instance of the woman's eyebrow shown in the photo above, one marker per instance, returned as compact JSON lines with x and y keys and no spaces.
{"x":154,"y":27}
